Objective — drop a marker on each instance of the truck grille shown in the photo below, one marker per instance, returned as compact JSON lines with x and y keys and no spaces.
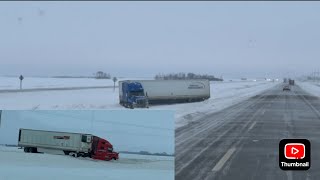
{"x":140,"y":102}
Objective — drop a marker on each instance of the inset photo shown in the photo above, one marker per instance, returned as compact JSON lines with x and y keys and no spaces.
{"x":88,"y":144}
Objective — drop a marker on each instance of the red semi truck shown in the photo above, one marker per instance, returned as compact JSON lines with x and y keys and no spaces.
{"x":74,"y":144}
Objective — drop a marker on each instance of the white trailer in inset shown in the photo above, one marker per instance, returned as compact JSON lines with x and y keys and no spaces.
{"x":75,"y":144}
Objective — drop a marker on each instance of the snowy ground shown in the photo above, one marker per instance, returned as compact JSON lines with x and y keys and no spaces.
{"x":15,"y":164}
{"x":12,"y":83}
{"x":313,"y":87}
{"x":223,"y":94}
{"x":106,"y":98}
{"x":34,"y":82}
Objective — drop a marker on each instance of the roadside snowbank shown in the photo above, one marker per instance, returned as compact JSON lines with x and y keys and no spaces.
{"x":310,"y":86}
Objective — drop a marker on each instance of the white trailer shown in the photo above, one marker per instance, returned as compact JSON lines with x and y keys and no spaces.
{"x":54,"y":142}
{"x":163,"y":91}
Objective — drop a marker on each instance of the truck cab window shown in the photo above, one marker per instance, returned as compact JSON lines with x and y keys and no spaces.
{"x":139,"y":93}
{"x":110,"y":149}
{"x":84,"y":138}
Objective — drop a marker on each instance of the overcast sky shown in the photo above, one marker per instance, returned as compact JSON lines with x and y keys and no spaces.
{"x":141,"y":39}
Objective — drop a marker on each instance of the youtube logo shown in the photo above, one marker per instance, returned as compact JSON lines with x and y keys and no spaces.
{"x":294,"y":151}
{"x":294,"y":154}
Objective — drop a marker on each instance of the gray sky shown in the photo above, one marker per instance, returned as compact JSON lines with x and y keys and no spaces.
{"x":144,"y":38}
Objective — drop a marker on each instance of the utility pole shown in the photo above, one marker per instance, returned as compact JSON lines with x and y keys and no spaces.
{"x":0,"y":117}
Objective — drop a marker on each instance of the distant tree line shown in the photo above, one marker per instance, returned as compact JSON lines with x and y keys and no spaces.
{"x":102,"y":75}
{"x":97,"y":75}
{"x":186,"y":76}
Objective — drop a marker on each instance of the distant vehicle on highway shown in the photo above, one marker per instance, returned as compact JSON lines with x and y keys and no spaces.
{"x":291,"y":82}
{"x":286,"y":88}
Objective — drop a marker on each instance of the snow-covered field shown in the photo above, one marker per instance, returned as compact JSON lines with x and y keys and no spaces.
{"x":311,"y":87}
{"x":34,"y":82}
{"x":106,"y":98}
{"x":15,"y":164}
{"x":223,"y":94}
{"x":11,"y":83}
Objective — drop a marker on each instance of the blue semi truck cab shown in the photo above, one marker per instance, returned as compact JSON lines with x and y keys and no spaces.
{"x":132,"y":95}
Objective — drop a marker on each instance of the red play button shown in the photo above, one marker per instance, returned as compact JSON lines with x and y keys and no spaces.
{"x":294,"y":151}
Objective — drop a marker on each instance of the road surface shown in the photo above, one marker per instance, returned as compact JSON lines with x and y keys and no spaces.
{"x":242,"y":141}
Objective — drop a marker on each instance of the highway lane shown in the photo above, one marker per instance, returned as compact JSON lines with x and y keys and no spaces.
{"x":242,"y":141}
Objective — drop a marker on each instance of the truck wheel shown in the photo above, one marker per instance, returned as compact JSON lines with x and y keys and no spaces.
{"x":33,"y":150}
{"x":26,"y":150}
{"x":114,"y":158}
{"x":131,"y":106}
{"x":66,"y":152}
{"x":73,"y":154}
{"x":80,"y":155}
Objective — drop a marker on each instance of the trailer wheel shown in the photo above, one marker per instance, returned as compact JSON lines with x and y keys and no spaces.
{"x":33,"y":150}
{"x":73,"y":154}
{"x":81,"y":155}
{"x":26,"y":150}
{"x":66,"y":152}
{"x":30,"y":150}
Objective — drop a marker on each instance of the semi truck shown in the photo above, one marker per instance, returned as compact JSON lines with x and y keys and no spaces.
{"x":291,"y":82}
{"x":141,"y":93}
{"x":73,"y":144}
